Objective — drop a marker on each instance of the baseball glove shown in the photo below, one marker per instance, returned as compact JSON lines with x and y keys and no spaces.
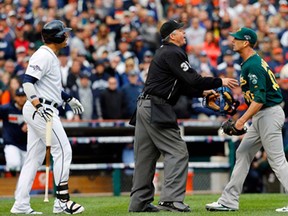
{"x":229,"y":128}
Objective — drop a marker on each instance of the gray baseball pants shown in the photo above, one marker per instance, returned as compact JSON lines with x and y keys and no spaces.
{"x":150,"y":142}
{"x":266,"y":131}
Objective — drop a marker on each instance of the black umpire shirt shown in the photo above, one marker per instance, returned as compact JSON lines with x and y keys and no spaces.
{"x":170,"y":75}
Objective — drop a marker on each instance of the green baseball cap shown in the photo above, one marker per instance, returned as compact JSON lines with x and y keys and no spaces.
{"x":245,"y":34}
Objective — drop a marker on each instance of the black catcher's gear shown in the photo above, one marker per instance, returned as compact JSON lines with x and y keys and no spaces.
{"x":54,"y":32}
{"x":229,"y":128}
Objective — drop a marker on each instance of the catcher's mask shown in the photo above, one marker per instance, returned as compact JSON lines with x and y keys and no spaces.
{"x":225,"y":104}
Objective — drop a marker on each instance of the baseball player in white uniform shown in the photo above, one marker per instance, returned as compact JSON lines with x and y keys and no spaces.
{"x":42,"y":85}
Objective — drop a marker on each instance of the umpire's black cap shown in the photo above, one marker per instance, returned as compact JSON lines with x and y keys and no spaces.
{"x":168,"y":27}
{"x":20,"y":92}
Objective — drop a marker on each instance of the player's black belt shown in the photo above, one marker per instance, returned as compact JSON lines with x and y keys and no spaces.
{"x":144,"y":96}
{"x":52,"y":103}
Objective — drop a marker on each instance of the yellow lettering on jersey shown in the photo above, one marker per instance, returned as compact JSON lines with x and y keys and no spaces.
{"x":249,"y":97}
{"x":271,"y":74}
{"x":273,"y":80}
{"x":242,"y":81}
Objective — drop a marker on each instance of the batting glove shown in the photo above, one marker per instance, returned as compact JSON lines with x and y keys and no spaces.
{"x":44,"y":112}
{"x":76,"y":106}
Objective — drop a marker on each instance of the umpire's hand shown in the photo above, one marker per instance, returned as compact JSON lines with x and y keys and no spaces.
{"x":75,"y":105}
{"x":44,"y":112}
{"x":229,"y":82}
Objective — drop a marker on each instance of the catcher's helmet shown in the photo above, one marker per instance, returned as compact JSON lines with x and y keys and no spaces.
{"x":54,"y":32}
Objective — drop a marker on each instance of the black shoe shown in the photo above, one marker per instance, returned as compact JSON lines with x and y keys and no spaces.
{"x":150,"y":208}
{"x":174,"y":206}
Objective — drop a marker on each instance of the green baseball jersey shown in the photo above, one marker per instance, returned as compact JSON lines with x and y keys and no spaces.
{"x":258,"y":82}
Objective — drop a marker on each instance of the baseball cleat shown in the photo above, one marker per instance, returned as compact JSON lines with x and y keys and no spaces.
{"x":69,"y":207}
{"x":174,"y":206}
{"x":215,"y":206}
{"x":150,"y":208}
{"x":28,"y":212}
{"x":284,"y":209}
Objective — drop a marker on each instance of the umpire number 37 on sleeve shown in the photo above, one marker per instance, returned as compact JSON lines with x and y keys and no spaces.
{"x":185,"y":66}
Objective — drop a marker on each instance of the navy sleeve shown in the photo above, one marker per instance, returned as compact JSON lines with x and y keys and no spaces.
{"x":30,"y":79}
{"x":65,"y":96}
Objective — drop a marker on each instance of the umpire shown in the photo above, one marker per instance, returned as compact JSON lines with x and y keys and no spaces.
{"x":170,"y":76}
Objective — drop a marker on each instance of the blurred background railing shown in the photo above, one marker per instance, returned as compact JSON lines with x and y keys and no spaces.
{"x":103,"y":159}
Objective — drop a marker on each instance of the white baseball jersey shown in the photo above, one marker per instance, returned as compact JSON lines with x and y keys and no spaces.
{"x":45,"y":66}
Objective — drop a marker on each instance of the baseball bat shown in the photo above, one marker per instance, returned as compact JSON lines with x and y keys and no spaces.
{"x":48,"y":149}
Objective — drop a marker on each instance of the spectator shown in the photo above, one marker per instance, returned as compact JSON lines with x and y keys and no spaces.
{"x":225,"y":9}
{"x":20,"y":72}
{"x":63,"y":57}
{"x":277,"y":61}
{"x":103,"y":40}
{"x":100,"y":10}
{"x":242,"y":6}
{"x":84,"y":93}
{"x":74,"y":73}
{"x":149,"y":32}
{"x":20,"y":41}
{"x":224,"y":41}
{"x":204,"y":65}
{"x":229,"y":61}
{"x":229,"y":71}
{"x":77,"y":42}
{"x":12,"y":22}
{"x":129,"y":66}
{"x":9,"y":94}
{"x":124,"y":53}
{"x":143,"y":67}
{"x":9,"y":67}
{"x":7,"y":48}
{"x":111,"y":101}
{"x":130,"y":92}
{"x":14,"y":132}
{"x":115,"y":18}
{"x":135,"y":21}
{"x":82,"y":58}
{"x":211,"y":47}
{"x":21,"y":53}
{"x":265,"y":8}
{"x":9,"y":33}
{"x":195,"y":33}
{"x":99,"y":78}
{"x":265,"y":49}
{"x":139,"y":48}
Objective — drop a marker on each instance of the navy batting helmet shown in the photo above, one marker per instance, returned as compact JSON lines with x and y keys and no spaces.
{"x":54,"y":32}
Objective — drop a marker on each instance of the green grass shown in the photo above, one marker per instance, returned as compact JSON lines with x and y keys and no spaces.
{"x":250,"y":204}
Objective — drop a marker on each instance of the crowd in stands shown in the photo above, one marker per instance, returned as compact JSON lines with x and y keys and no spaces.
{"x":113,"y":42}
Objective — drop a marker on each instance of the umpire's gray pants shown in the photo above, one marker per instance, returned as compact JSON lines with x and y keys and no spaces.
{"x":266,"y":129}
{"x":150,"y":142}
